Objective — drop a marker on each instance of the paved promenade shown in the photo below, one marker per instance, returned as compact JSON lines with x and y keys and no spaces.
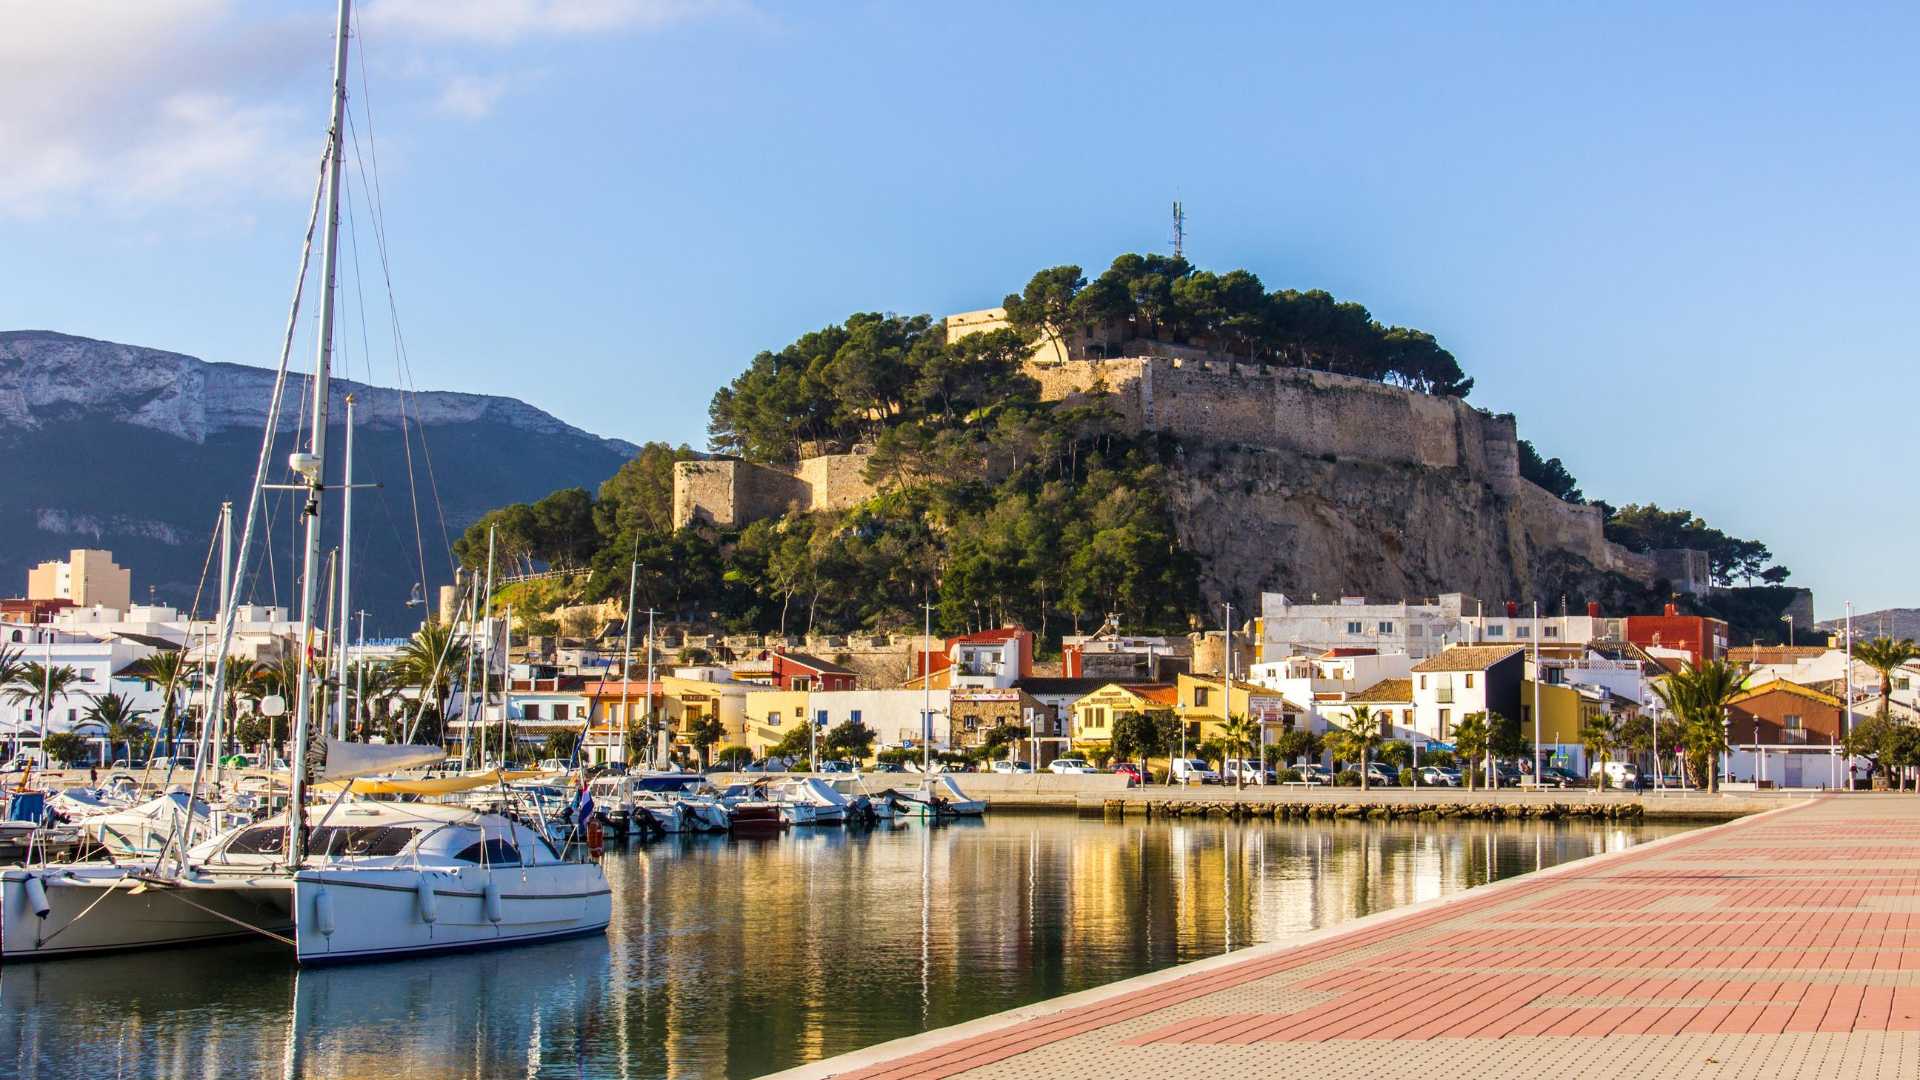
{"x":1782,"y":945}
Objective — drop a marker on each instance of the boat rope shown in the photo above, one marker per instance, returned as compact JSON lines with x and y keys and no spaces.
{"x":261,"y":466}
{"x":84,"y":912}
{"x":168,"y":888}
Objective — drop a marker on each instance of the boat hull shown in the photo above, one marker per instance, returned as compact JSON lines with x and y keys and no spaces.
{"x":105,"y":909}
{"x":380,"y":913}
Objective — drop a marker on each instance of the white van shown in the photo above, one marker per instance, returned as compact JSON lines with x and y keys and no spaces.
{"x":1621,"y":774}
{"x":1194,"y":771}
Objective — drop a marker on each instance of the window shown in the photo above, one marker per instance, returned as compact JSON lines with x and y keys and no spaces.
{"x":1794,"y":729}
{"x":497,"y":851}
{"x":1496,"y":631}
{"x":820,"y":718}
{"x":854,"y":716}
{"x":773,"y":719}
{"x":1423,"y":682}
{"x":970,"y":723}
{"x":1900,"y":683}
{"x":1416,"y":631}
{"x":1386,"y":628}
{"x":1549,"y":631}
{"x":1353,"y":628}
{"x":1469,"y":680}
{"x":1200,"y":696}
{"x":530,"y":712}
{"x":1446,"y":721}
{"x":1523,"y":631}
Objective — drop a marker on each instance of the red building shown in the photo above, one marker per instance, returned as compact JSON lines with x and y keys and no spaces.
{"x":1701,"y":638}
{"x":798,"y":671}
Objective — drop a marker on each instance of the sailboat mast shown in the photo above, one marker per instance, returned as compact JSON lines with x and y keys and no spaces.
{"x":311,"y":466}
{"x":346,"y":576}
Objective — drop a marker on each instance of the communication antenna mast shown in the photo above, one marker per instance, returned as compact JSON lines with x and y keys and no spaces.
{"x":1179,"y":230}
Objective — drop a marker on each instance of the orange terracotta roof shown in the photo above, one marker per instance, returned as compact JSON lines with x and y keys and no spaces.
{"x":1469,"y":658}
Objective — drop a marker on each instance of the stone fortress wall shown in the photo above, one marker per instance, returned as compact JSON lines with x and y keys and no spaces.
{"x":1192,"y":395}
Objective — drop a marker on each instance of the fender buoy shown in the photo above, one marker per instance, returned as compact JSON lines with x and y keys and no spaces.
{"x":429,"y":901}
{"x":323,"y":911}
{"x":491,"y":897}
{"x":596,"y":837}
{"x":36,"y":897}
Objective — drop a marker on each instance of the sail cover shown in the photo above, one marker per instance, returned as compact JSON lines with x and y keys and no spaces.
{"x":345,"y":760}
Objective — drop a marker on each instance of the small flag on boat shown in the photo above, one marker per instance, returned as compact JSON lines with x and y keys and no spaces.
{"x":582,"y":806}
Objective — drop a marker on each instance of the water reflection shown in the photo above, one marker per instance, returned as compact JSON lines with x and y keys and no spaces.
{"x":735,"y":958}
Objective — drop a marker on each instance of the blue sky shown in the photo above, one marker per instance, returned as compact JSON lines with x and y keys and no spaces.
{"x":1679,"y":245}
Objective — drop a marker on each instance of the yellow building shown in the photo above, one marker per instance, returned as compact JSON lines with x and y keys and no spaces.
{"x":89,"y":578}
{"x":1200,"y":703}
{"x":1093,"y":715}
{"x":770,"y":715}
{"x":1564,"y":711}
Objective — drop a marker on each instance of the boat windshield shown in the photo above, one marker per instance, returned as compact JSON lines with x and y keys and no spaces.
{"x":327,"y":841}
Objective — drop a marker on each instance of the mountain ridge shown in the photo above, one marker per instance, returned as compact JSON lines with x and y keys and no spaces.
{"x":132,"y":449}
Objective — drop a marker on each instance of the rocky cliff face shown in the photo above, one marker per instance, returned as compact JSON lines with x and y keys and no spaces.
{"x":133,"y":449}
{"x":1268,"y":520}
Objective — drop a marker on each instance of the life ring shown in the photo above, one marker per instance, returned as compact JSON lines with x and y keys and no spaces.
{"x":596,"y":837}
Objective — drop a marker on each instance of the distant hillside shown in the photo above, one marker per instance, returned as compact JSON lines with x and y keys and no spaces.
{"x":1893,"y":622}
{"x":133,"y":449}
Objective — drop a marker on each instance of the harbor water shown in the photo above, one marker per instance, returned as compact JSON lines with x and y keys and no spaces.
{"x":741,"y":956}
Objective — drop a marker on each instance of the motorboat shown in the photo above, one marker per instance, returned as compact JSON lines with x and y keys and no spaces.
{"x":380,"y":879}
{"x":144,"y":831}
{"x":750,"y":810}
{"x":828,"y":807}
{"x":940,"y":796}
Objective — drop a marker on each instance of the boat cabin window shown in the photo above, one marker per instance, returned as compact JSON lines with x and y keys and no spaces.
{"x":497,"y":851}
{"x":261,"y":840}
{"x":330,"y":840}
{"x":360,"y":839}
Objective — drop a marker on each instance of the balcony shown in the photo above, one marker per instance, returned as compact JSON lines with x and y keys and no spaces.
{"x":1444,"y":695}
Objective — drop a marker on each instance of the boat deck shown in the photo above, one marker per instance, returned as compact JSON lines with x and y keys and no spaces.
{"x":1781,"y":945}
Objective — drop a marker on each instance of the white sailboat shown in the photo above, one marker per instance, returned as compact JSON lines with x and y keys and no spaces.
{"x":369,"y":879}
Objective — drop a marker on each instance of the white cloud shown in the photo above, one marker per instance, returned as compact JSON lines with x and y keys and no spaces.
{"x":128,"y":106}
{"x":501,"y":22}
{"x":472,"y":96}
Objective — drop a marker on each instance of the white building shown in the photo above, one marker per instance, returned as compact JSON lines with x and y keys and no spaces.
{"x":894,"y":715}
{"x":1465,"y":680}
{"x":101,"y":664}
{"x":1418,"y":630}
{"x":1323,"y":683}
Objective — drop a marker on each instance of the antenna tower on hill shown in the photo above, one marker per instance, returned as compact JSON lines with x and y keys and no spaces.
{"x":1179,"y":230}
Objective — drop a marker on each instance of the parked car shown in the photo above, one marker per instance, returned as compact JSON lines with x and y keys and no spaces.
{"x":1621,"y":774}
{"x":1554,"y":776}
{"x":834,"y":767}
{"x":1313,"y":774}
{"x":1072,"y":766}
{"x":1435,"y":776}
{"x":1013,"y":768}
{"x":888,"y":767}
{"x":1379,"y":775}
{"x":1132,"y":772}
{"x":1194,"y":771}
{"x":1254,"y":772}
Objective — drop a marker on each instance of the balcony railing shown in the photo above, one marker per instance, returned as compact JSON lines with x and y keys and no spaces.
{"x":1445,"y":695}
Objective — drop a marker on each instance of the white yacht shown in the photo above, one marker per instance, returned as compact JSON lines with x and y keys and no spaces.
{"x":380,"y":879}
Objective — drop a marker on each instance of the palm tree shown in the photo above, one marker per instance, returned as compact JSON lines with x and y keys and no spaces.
{"x":115,"y":713}
{"x":1240,"y":734}
{"x":1598,"y":735}
{"x":168,"y":670}
{"x":1358,"y":738}
{"x":428,"y":661}
{"x":34,"y":684}
{"x":1883,"y":654}
{"x":1698,"y":699}
{"x":1470,"y":738}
